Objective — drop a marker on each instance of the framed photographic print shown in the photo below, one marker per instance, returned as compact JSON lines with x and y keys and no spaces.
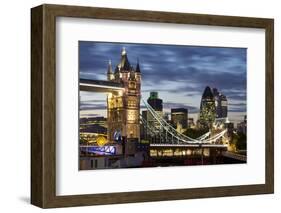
{"x":137,"y":106}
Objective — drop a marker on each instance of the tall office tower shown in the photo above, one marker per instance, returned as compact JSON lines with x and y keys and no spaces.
{"x":157,"y":104}
{"x":179,"y":118}
{"x":190,"y":123}
{"x":166,"y":117}
{"x":220,"y":103}
{"x":224,"y":104}
{"x":207,"y":113}
{"x":242,"y":126}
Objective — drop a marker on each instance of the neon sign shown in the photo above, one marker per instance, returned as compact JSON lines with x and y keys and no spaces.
{"x":104,"y":150}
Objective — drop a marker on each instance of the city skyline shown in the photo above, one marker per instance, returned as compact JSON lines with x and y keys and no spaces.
{"x":178,"y":73}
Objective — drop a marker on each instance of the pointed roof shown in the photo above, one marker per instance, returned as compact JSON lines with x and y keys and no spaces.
{"x":124,"y":51}
{"x":138,"y":67}
{"x":207,"y":93}
{"x":117,"y":68}
{"x":124,"y":64}
{"x":109,"y":67}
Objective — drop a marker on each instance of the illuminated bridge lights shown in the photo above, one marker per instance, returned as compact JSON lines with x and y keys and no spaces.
{"x":190,"y":145}
{"x":167,"y":135}
{"x":169,"y":152}
{"x":171,"y":144}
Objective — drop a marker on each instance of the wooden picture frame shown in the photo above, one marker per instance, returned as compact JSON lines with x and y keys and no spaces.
{"x":43,"y":105}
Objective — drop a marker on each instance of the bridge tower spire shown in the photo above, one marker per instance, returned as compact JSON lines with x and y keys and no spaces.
{"x":110,"y":75}
{"x":124,"y":109}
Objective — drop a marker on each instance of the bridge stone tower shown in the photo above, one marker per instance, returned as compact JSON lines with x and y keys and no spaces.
{"x":123,"y":108}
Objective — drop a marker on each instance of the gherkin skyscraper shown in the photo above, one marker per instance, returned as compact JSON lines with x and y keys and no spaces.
{"x":207,"y":109}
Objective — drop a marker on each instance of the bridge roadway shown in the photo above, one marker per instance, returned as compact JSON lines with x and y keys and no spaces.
{"x":108,"y":86}
{"x":198,"y":145}
{"x":100,"y":86}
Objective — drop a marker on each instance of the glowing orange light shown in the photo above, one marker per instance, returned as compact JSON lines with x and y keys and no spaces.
{"x":101,"y":141}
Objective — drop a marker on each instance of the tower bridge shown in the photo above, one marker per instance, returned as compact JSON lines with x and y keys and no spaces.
{"x":162,"y":136}
{"x":123,"y":89}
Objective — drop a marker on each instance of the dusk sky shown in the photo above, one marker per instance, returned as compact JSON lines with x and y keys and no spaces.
{"x":179,"y":74}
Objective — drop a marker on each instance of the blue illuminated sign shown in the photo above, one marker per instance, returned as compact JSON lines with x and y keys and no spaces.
{"x":117,"y":135}
{"x":104,"y":150}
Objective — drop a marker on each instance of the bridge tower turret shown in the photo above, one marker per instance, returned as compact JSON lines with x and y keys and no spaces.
{"x":110,"y":75}
{"x":123,"y":111}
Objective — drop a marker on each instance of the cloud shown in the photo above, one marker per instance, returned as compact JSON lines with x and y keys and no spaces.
{"x":91,"y":115}
{"x":242,"y":110}
{"x":240,"y":104}
{"x":92,"y":106}
{"x":92,"y":101}
{"x":170,"y":105}
{"x":178,"y":70}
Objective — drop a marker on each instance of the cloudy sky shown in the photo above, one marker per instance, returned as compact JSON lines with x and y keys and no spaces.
{"x":179,"y":74}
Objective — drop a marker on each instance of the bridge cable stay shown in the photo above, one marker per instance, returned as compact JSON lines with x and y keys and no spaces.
{"x":156,"y":116}
{"x":166,"y":125}
{"x":216,"y":137}
{"x":163,"y":123}
{"x":179,"y":136}
{"x":153,"y":131}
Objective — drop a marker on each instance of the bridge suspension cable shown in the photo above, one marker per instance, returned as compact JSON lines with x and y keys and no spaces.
{"x":171,"y":132}
{"x":166,"y":125}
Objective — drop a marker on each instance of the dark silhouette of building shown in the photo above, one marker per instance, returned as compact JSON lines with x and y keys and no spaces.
{"x":220,"y":103}
{"x":155,"y":102}
{"x":179,"y":118}
{"x":230,"y":128}
{"x":190,"y":123}
{"x":242,"y":126}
